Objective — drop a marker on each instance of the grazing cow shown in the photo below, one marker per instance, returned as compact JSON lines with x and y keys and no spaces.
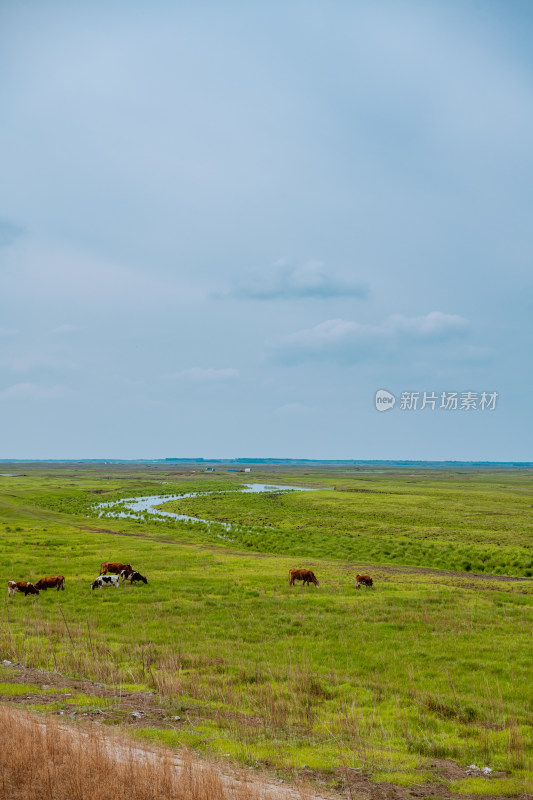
{"x":115,"y":568}
{"x":133,"y":577}
{"x":105,"y":580}
{"x":49,"y":583}
{"x":363,"y":580}
{"x":305,"y":575}
{"x":21,"y":586}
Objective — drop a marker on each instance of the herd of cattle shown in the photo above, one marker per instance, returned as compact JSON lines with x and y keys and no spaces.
{"x":308,"y":576}
{"x":125,"y":572}
{"x":118,"y":572}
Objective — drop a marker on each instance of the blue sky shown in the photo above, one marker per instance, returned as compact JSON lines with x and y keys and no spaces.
{"x":224,"y":227}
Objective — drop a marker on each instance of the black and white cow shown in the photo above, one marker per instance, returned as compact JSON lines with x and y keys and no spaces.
{"x":133,"y":577}
{"x":105,"y":580}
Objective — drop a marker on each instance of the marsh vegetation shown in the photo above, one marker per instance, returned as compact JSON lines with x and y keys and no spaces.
{"x":432,"y":667}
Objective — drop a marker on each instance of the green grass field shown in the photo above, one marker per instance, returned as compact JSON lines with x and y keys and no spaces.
{"x":428,"y":666}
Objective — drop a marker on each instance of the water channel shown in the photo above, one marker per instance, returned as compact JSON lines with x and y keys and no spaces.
{"x":135,"y":506}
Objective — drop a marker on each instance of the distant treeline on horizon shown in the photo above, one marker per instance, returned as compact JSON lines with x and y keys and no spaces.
{"x":270,"y":462}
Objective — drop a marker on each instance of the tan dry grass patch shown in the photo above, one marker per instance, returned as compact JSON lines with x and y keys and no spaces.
{"x":47,"y":760}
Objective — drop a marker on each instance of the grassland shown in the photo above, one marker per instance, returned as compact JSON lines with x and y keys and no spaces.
{"x":482,"y":525}
{"x":430,"y":668}
{"x":43,"y":759}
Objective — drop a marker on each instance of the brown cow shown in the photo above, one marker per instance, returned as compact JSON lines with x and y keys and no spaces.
{"x":363,"y":580}
{"x":21,"y":586}
{"x":49,"y":583}
{"x":115,"y":568}
{"x":305,"y":575}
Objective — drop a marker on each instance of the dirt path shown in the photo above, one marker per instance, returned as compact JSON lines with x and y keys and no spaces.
{"x":120,"y":750}
{"x":122,"y":714}
{"x":136,"y":710}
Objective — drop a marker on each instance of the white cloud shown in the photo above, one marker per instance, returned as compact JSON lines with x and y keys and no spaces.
{"x":432,"y":326}
{"x":285,"y":280}
{"x":206,"y":375}
{"x":33,"y":391}
{"x":348,"y":342}
{"x":28,"y":362}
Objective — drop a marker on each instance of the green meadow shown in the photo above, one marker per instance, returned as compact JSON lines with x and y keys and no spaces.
{"x":433,"y":664}
{"x":468,"y":525}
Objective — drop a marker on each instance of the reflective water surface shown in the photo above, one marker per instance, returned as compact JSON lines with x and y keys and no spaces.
{"x":132,"y":506}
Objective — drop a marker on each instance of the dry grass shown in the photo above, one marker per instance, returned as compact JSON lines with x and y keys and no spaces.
{"x":43,"y":759}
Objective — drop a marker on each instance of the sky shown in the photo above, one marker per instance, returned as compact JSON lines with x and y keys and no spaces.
{"x":225,"y":227}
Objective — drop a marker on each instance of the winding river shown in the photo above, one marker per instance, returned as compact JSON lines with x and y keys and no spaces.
{"x":135,"y":506}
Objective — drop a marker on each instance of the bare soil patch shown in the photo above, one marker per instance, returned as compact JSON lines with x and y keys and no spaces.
{"x":131,"y":710}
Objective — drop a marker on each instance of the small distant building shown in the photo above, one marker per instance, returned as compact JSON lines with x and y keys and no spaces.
{"x":247,"y":469}
{"x":209,"y":469}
